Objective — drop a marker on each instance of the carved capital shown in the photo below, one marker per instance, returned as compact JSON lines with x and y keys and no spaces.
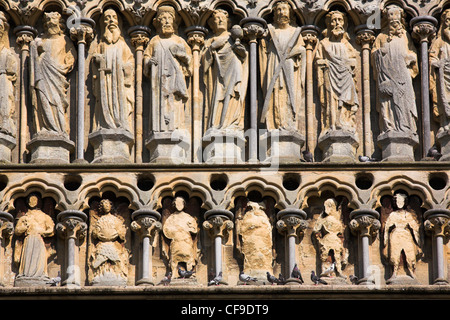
{"x":72,"y":228}
{"x":292,"y":226}
{"x":310,"y":34}
{"x":365,"y":37}
{"x":82,"y":31}
{"x":6,"y":225}
{"x":24,"y":36}
{"x":437,"y":222}
{"x":140,"y":36}
{"x":196,"y":37}
{"x":423,"y":28}
{"x":365,"y":226}
{"x":253,"y":28}
{"x":146,"y":226}
{"x":218,"y":226}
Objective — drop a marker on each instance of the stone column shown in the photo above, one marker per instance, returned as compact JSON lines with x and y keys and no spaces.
{"x":364,"y":224}
{"x":24,"y":35}
{"x":140,"y":36}
{"x":424,"y":28}
{"x":291,"y":222}
{"x":309,"y":34}
{"x":365,"y":38}
{"x":146,"y":224}
{"x":72,"y":228}
{"x":6,"y":232}
{"x":82,"y":34}
{"x":218,"y":223}
{"x":196,"y":39}
{"x":437,"y":225}
{"x":254,"y":28}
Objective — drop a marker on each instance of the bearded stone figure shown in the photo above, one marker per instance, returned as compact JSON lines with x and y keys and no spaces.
{"x":114,"y":92}
{"x":440,"y":83}
{"x":336,"y":62}
{"x":395,"y":63}
{"x":52,"y":57}
{"x":9,"y":65}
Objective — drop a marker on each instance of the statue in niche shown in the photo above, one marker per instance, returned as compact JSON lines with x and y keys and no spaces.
{"x":402,"y":241}
{"x":109,"y":258}
{"x":336,"y":62}
{"x":329,"y":231}
{"x":32,"y":254}
{"x":168,"y":63}
{"x":283,"y":67}
{"x":8,"y":77}
{"x":113,"y":77}
{"x":181,"y":230}
{"x":52,"y":57}
{"x":440,"y":73}
{"x":254,"y":239}
{"x":225,"y":66}
{"x":395,"y":64}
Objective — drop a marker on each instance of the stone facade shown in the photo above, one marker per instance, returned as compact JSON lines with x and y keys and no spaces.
{"x":142,"y":140}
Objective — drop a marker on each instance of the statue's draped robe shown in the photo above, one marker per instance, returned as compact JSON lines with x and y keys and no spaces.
{"x":48,"y":71}
{"x":8,"y":75}
{"x":225,"y":78}
{"x":114,"y":87}
{"x":285,"y":106}
{"x":396,"y":65}
{"x":169,"y":88}
{"x":336,"y":84}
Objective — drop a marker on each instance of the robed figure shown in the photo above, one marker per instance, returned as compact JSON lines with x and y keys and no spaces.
{"x":225,"y":66}
{"x":168,"y":64}
{"x":336,"y":61}
{"x":114,"y":77}
{"x":8,"y":77}
{"x":52,"y":57}
{"x":395,"y":61}
{"x":283,"y":65}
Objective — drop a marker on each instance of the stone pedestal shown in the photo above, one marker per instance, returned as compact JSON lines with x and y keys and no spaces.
{"x":111,"y":145}
{"x":444,"y":140}
{"x":168,"y":147}
{"x":338,"y":146}
{"x":282,"y":146}
{"x":50,"y":147}
{"x":223,"y":147}
{"x":7,"y":143}
{"x":397,"y":146}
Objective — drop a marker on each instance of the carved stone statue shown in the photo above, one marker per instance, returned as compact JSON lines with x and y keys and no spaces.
{"x":181,"y":229}
{"x":440,"y":81}
{"x":8,"y":77}
{"x":225,"y":67}
{"x":254,"y":240}
{"x":336,"y":61}
{"x":109,"y":259}
{"x":395,"y":63}
{"x":402,"y":240}
{"x":113,"y":87}
{"x":32,"y":254}
{"x":52,"y":57}
{"x":282,"y":65}
{"x":329,"y":232}
{"x":168,"y":63}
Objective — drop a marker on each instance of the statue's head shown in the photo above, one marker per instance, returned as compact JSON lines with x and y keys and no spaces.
{"x":33,"y":200}
{"x":179,"y":203}
{"x":110,"y":25}
{"x":165,"y":21}
{"x":219,"y":21}
{"x":283,"y":13}
{"x":4,"y":29}
{"x":330,"y":206}
{"x":105,"y":206}
{"x":395,"y":17}
{"x":400,"y":200}
{"x":336,"y":22}
{"x":53,"y":23}
{"x":445,"y":25}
